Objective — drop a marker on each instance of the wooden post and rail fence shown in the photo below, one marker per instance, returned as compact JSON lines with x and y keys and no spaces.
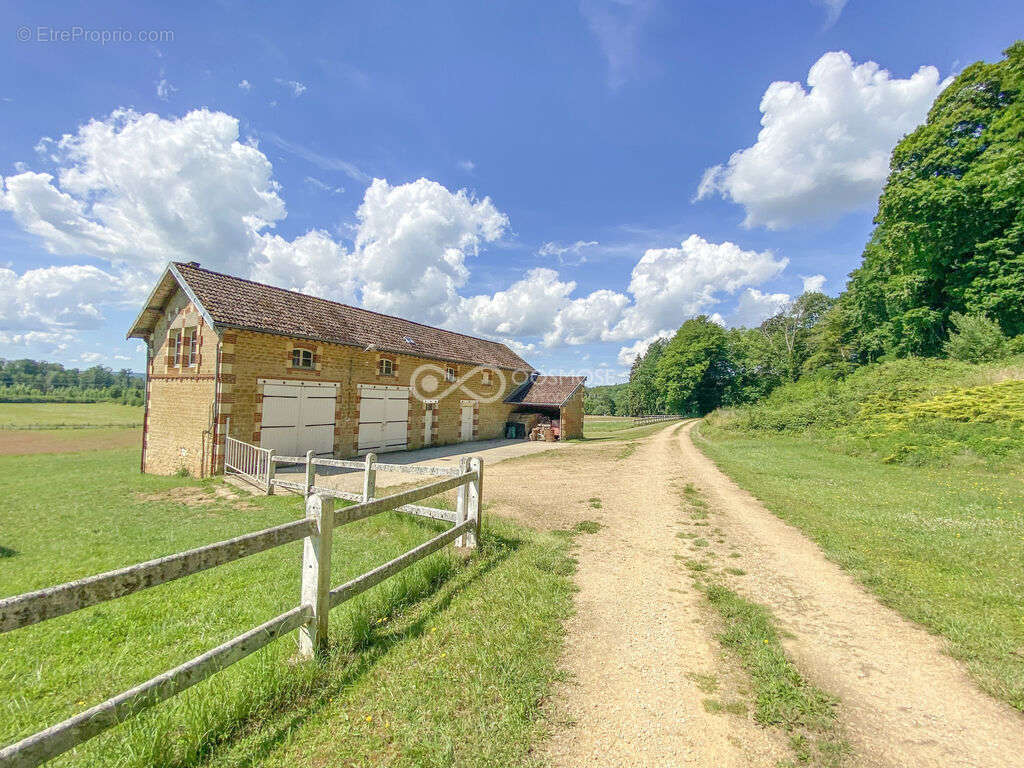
{"x":309,"y":617}
{"x":641,"y":421}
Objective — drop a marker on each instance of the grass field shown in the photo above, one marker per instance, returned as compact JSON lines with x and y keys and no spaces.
{"x":617,"y":428}
{"x":68,"y":415}
{"x":945,"y":547}
{"x":27,"y":428}
{"x":596,"y":425}
{"x":445,"y":664}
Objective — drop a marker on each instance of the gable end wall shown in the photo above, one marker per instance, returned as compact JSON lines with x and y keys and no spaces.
{"x":178,"y":433}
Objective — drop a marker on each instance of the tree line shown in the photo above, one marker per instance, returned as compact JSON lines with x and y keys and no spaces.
{"x":942,"y":274}
{"x":35,"y":381}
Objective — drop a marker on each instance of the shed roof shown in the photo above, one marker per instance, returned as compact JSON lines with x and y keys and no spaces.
{"x":547,"y":390}
{"x":233,"y":302}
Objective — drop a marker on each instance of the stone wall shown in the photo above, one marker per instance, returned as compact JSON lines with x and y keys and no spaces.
{"x":178,"y":428}
{"x":266,"y":356}
{"x":572,"y":417}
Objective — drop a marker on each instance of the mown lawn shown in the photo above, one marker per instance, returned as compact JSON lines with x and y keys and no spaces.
{"x":596,"y":425}
{"x":944,"y":546}
{"x":446,"y":664}
{"x":76,"y":415}
{"x":618,"y":428}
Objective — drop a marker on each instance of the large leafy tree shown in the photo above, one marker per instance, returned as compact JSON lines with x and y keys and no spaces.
{"x":787,"y":335}
{"x":644,"y":395}
{"x":950,"y":224}
{"x":694,"y":371}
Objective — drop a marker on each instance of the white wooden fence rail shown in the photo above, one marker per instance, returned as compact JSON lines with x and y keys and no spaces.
{"x":309,"y":617}
{"x":640,"y":421}
{"x":370,"y":467}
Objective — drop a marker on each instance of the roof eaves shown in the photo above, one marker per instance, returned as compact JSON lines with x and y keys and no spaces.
{"x":147,"y":307}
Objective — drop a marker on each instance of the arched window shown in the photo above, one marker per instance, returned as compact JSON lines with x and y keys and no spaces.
{"x":302,"y":358}
{"x":385,"y":367}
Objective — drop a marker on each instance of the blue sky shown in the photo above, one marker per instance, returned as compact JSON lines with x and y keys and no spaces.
{"x":556,"y":175}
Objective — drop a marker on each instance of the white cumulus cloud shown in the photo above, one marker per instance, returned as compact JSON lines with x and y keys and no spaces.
{"x":813,"y":283}
{"x":823,"y":151}
{"x":755,"y":306}
{"x":672,"y":284}
{"x":413,"y":240}
{"x":587,"y":319}
{"x":629,"y":353}
{"x":526,"y":308}
{"x":50,"y":299}
{"x":135,"y":191}
{"x":667,"y":286}
{"x":313,"y":263}
{"x":139,"y":190}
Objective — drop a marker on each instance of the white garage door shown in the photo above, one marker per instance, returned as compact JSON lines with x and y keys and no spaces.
{"x":298,"y":416}
{"x":383,"y":418}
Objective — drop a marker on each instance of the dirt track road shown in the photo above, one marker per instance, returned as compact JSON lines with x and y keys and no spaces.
{"x":642,"y":632}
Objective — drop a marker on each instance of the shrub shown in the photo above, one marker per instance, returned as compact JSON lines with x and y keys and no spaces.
{"x":977,"y":339}
{"x":911,"y":411}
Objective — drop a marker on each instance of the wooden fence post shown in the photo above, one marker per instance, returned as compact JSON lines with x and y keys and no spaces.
{"x":461,"y":500}
{"x":476,"y":498}
{"x":370,"y":477}
{"x":316,"y":576}
{"x":270,"y":473}
{"x":310,"y":473}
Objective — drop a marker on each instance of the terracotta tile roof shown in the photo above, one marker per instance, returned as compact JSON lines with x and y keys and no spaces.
{"x":238,"y":303}
{"x":547,"y":390}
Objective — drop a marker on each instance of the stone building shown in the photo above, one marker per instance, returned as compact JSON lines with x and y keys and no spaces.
{"x":283,"y":370}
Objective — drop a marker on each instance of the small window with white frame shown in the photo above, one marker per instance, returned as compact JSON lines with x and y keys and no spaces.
{"x":175,"y":344}
{"x":486,"y":376}
{"x":302,"y":358}
{"x":192,"y":347}
{"x":385,"y":367}
{"x":449,"y":374}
